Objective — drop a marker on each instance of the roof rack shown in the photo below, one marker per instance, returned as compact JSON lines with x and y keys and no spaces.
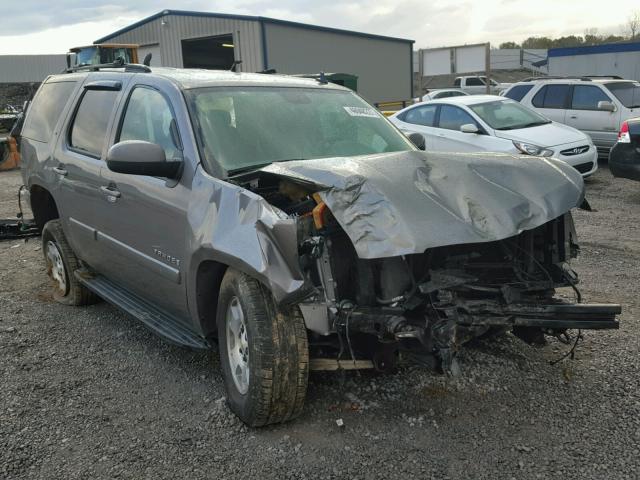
{"x":128,"y":67}
{"x":584,"y":78}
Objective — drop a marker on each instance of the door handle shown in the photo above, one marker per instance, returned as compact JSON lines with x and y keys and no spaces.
{"x":60,"y":171}
{"x":110,"y":191}
{"x":573,"y":116}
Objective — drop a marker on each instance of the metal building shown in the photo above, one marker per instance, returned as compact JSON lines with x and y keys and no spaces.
{"x":29,"y":68}
{"x":622,"y":59}
{"x":212,"y":40}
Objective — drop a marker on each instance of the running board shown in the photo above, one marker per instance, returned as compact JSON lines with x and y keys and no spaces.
{"x":157,"y":320}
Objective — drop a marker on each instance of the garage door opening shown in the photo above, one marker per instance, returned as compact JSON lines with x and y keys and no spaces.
{"x":213,"y":53}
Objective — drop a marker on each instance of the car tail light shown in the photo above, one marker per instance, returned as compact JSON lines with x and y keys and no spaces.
{"x":623,"y":136}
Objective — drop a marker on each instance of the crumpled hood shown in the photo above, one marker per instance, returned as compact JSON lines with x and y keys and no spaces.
{"x":548,"y":135}
{"x":406,"y":202}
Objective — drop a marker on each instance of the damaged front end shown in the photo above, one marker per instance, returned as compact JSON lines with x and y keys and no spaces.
{"x":422,"y":253}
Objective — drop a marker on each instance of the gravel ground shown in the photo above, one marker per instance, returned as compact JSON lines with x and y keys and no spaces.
{"x":90,"y":393}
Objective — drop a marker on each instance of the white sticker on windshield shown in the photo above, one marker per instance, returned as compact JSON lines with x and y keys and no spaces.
{"x":362,"y":112}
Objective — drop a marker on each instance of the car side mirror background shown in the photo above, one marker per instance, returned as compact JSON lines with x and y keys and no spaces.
{"x":136,"y":157}
{"x":606,"y":106}
{"x":418,"y":140}
{"x":469,"y":128}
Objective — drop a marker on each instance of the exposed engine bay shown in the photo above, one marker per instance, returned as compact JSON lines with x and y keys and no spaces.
{"x":427,"y":304}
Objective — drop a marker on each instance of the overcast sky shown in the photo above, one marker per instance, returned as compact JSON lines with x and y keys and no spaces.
{"x":53,"y":26}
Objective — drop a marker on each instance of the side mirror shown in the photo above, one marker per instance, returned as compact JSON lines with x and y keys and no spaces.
{"x":418,"y":140}
{"x":469,"y":128}
{"x":136,"y":157}
{"x":606,"y":106}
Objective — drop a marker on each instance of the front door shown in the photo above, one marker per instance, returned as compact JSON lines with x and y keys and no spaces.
{"x":449,"y":138}
{"x":146,"y":223}
{"x":601,"y":125}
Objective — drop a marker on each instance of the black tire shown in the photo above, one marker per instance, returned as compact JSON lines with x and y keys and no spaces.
{"x":72,"y":292}
{"x":278,"y":353}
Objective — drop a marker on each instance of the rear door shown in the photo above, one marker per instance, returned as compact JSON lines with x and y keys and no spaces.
{"x":583,"y":114}
{"x":420,"y":119}
{"x":79,"y":158}
{"x":552,"y":101}
{"x":145,"y":222}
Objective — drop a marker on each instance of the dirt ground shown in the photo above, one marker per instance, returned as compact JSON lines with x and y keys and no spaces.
{"x":90,"y":393}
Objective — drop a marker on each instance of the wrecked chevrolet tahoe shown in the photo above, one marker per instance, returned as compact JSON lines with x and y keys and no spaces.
{"x":289,"y":222}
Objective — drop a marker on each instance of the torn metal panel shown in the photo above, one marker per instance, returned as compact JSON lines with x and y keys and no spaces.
{"x":239,"y":228}
{"x":406,"y":202}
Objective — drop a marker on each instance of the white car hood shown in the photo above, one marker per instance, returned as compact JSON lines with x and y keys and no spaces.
{"x":548,"y":135}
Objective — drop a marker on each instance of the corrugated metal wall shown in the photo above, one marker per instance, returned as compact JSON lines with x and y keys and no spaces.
{"x":29,"y":68}
{"x":383,"y":66}
{"x":623,"y":64}
{"x":247,"y":37}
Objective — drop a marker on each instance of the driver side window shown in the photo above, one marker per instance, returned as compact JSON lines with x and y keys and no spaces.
{"x":149,"y":117}
{"x":452,"y":118}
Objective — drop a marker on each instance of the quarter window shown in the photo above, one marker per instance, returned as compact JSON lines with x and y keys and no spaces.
{"x":551,"y":96}
{"x":89,"y":129}
{"x":149,"y":117}
{"x":518,"y":92}
{"x":46,"y":109}
{"x":424,"y":115}
{"x":586,"y":97}
{"x":452,"y":118}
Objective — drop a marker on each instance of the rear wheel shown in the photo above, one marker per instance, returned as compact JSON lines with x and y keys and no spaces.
{"x":263,"y":352}
{"x":61,"y":263}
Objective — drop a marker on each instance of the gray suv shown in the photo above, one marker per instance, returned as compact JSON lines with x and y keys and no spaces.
{"x":289,"y":222}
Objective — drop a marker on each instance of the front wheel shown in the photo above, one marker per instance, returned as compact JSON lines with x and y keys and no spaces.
{"x":263,"y":352}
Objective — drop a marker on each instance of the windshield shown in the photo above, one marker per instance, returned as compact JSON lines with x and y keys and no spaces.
{"x":627,"y":92}
{"x":491,"y":81}
{"x":244,"y":127}
{"x":87,"y":56}
{"x":508,"y":115}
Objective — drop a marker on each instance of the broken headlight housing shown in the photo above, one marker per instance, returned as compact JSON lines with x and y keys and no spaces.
{"x":531,"y":149}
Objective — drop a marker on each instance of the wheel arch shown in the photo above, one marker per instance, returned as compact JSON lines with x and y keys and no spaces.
{"x":208,"y":277}
{"x":43,"y":205}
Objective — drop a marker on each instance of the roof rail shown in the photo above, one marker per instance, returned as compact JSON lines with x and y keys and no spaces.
{"x":584,"y":78}
{"x":128,"y":67}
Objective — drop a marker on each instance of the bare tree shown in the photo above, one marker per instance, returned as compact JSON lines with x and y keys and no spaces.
{"x":633,"y":24}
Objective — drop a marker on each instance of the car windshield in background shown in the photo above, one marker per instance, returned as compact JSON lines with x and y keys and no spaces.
{"x":627,"y":92}
{"x":508,"y":115}
{"x":244,"y":127}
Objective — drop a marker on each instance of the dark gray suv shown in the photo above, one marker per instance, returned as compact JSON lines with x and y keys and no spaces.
{"x":288,"y":221}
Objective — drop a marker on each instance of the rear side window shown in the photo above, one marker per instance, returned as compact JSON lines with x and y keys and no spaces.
{"x":586,"y":97}
{"x":424,"y":115}
{"x":89,"y":129}
{"x":46,"y":109}
{"x":551,"y":96}
{"x":452,"y":118}
{"x":518,"y":92}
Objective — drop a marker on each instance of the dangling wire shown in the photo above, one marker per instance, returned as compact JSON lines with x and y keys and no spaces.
{"x":571,"y":352}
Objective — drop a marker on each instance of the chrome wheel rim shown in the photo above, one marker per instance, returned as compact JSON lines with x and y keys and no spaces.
{"x":56,"y":267}
{"x":237,"y":345}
